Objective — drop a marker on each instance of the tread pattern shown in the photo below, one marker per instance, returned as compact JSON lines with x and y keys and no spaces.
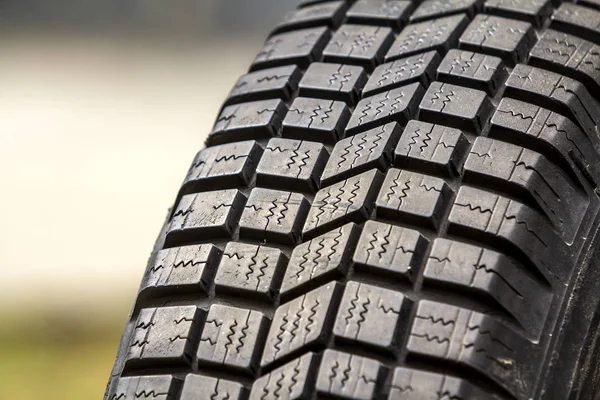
{"x":395,"y":105}
{"x":224,"y":166}
{"x":361,"y":152}
{"x":210,"y":214}
{"x":280,"y":82}
{"x":188,"y":268}
{"x":248,"y":120}
{"x":571,"y":56}
{"x":206,"y":388}
{"x":250,"y":269}
{"x":390,"y":250}
{"x":330,"y":14}
{"x":469,"y":338}
{"x":350,"y":200}
{"x":302,"y":163}
{"x":369,"y":316}
{"x":232,"y":337}
{"x":506,"y":38}
{"x":409,"y":195}
{"x":302,"y":323}
{"x":417,"y":68}
{"x":462,"y":107}
{"x":308,"y":117}
{"x":273,"y":215}
{"x":429,"y":9}
{"x":154,"y":387}
{"x":359,"y":44}
{"x":439,"y":34}
{"x":534,"y":11}
{"x":476,"y":70}
{"x":393,"y":13}
{"x":393,"y":203}
{"x":430,"y":147}
{"x":321,"y":258}
{"x":164,"y":335}
{"x":333,"y":81}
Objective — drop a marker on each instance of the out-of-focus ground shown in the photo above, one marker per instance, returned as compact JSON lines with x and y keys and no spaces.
{"x":97,"y":129}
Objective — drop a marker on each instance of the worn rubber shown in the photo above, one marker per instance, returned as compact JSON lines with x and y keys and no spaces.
{"x":398,"y":201}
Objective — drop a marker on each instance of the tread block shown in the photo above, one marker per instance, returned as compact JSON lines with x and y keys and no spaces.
{"x":279,"y":82}
{"x":338,"y":204}
{"x":254,"y":120}
{"x":302,"y":323}
{"x":361,"y":45}
{"x":474,"y":269}
{"x":533,"y":11}
{"x":577,"y":20}
{"x":295,"y":379}
{"x":182,"y":269}
{"x":273,"y":215}
{"x":413,"y":197}
{"x":390,"y":250}
{"x":529,"y":175}
{"x":232,"y":337}
{"x":431,"y":148}
{"x":417,"y":68}
{"x":316,"y":120}
{"x":410,"y":384}
{"x":160,"y":387}
{"x":361,"y":152}
{"x":338,"y":82}
{"x":565,"y":143}
{"x":476,"y":340}
{"x":390,"y":13}
{"x":566,"y":94}
{"x":439,"y":34}
{"x":370,"y":316}
{"x":198,"y":387}
{"x":322,"y":259}
{"x":429,"y":9}
{"x":467,"y":109}
{"x":569,"y":55}
{"x":165,"y":335}
{"x":291,"y":164}
{"x":395,"y":105}
{"x":531,"y":237}
{"x":330,"y":14}
{"x":478,"y":71}
{"x":299,"y":47}
{"x":498,"y":36}
{"x":246,"y":268}
{"x":223,"y":166}
{"x":348,"y":376}
{"x":205,"y":215}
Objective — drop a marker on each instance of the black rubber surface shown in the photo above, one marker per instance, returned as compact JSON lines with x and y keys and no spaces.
{"x":398,"y":201}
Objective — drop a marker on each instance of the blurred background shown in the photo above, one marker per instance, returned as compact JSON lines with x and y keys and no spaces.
{"x":103,"y":105}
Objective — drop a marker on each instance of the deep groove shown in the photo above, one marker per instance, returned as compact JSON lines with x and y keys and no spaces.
{"x":506,"y":189}
{"x":580,"y":31}
{"x":539,"y":146}
{"x":503,"y":246}
{"x":544,"y":102}
{"x":591,"y":85}
{"x":459,"y":370}
{"x":240,"y":300}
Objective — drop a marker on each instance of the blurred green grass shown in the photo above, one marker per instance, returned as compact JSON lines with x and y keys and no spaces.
{"x":63,"y":357}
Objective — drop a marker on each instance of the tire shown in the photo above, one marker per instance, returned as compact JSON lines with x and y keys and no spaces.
{"x":398,"y":201}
